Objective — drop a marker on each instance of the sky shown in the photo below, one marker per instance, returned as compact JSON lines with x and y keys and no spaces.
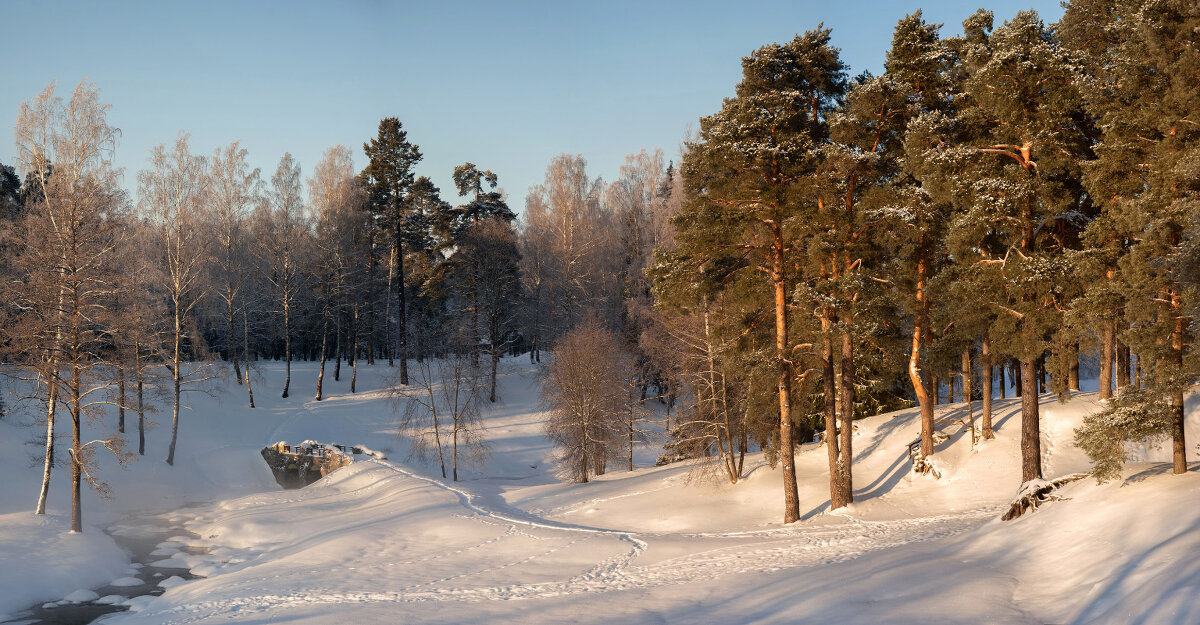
{"x":504,"y":85}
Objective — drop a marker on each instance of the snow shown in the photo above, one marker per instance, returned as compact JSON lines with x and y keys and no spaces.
{"x":387,"y":540}
{"x":126,"y":582}
{"x":82,"y":595}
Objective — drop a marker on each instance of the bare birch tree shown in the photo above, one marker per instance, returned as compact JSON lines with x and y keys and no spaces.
{"x":287,"y":229}
{"x":336,"y":198}
{"x":233,"y":189}
{"x":68,"y":237}
{"x":583,"y":391}
{"x":171,"y":194}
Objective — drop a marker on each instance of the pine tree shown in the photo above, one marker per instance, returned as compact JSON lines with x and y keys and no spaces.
{"x":1146,"y":103}
{"x":387,"y":179}
{"x":751,"y":183}
{"x":1013,"y":178}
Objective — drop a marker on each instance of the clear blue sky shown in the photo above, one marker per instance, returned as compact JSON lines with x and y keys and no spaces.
{"x":504,"y":85}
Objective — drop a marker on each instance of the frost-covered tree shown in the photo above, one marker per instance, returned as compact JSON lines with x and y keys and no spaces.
{"x":1146,"y":103}
{"x":286,"y":242}
{"x":232,"y":194}
{"x":1015,"y":180}
{"x":171,"y":198}
{"x":751,"y":176}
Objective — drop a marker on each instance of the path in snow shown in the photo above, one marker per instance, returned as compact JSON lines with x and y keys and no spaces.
{"x":474,"y":564}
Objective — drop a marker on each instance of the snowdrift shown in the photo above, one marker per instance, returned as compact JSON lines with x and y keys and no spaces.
{"x":390,"y":541}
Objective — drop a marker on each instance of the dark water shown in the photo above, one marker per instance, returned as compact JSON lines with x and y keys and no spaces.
{"x":140,"y":538}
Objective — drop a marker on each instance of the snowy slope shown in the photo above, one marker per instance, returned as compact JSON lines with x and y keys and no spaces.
{"x":389,"y":541}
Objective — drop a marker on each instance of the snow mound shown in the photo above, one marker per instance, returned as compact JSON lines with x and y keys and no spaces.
{"x":172,"y":582}
{"x":126,"y":582}
{"x":82,"y":595}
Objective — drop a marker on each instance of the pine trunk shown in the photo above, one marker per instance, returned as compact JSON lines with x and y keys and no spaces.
{"x":847,"y":426}
{"x":985,"y":365}
{"x":1031,"y":437}
{"x":1178,"y":418}
{"x":787,"y":457}
{"x":401,"y":310}
{"x":918,"y":383}
{"x":1107,"y":348}
{"x":1073,"y":372}
{"x":1122,"y":365}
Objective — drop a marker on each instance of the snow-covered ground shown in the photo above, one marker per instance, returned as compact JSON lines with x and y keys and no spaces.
{"x":390,"y":541}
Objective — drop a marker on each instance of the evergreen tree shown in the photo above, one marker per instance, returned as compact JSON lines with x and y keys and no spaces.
{"x":1015,"y":180}
{"x":387,"y":179}
{"x":1146,"y":103}
{"x":917,"y":211}
{"x":751,"y":183}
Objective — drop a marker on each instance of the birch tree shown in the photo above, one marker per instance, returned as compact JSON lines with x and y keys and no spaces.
{"x":232,"y":192}
{"x":171,"y":194}
{"x":68,"y":239}
{"x":286,"y":235}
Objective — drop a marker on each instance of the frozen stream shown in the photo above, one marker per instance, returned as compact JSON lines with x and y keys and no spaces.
{"x":154,"y":544}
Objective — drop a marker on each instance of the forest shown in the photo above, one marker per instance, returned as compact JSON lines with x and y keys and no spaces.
{"x":1015,"y":207}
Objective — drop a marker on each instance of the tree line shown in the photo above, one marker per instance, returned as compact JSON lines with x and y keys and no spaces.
{"x":1000,"y":201}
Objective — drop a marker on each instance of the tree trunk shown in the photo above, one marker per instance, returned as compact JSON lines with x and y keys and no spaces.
{"x":495,"y":365}
{"x":1003,"y":382}
{"x":831,"y":418}
{"x":141,"y":407}
{"x":401,"y":310}
{"x":177,"y":379}
{"x":246,"y":351}
{"x":787,"y":451}
{"x":968,"y":380}
{"x":337,"y":346}
{"x":847,"y":426}
{"x":1031,"y":437}
{"x":1122,"y":365}
{"x":387,"y":308}
{"x":370,"y":311}
{"x":1017,"y":377}
{"x":287,"y":342}
{"x":1178,"y":418}
{"x":324,"y":341}
{"x":1073,"y":372}
{"x":914,"y":367}
{"x":51,"y":408}
{"x":1107,"y":348}
{"x":353,"y":356}
{"x":233,"y":352}
{"x":76,"y":444}
{"x":985,"y":364}
{"x":121,"y":399}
